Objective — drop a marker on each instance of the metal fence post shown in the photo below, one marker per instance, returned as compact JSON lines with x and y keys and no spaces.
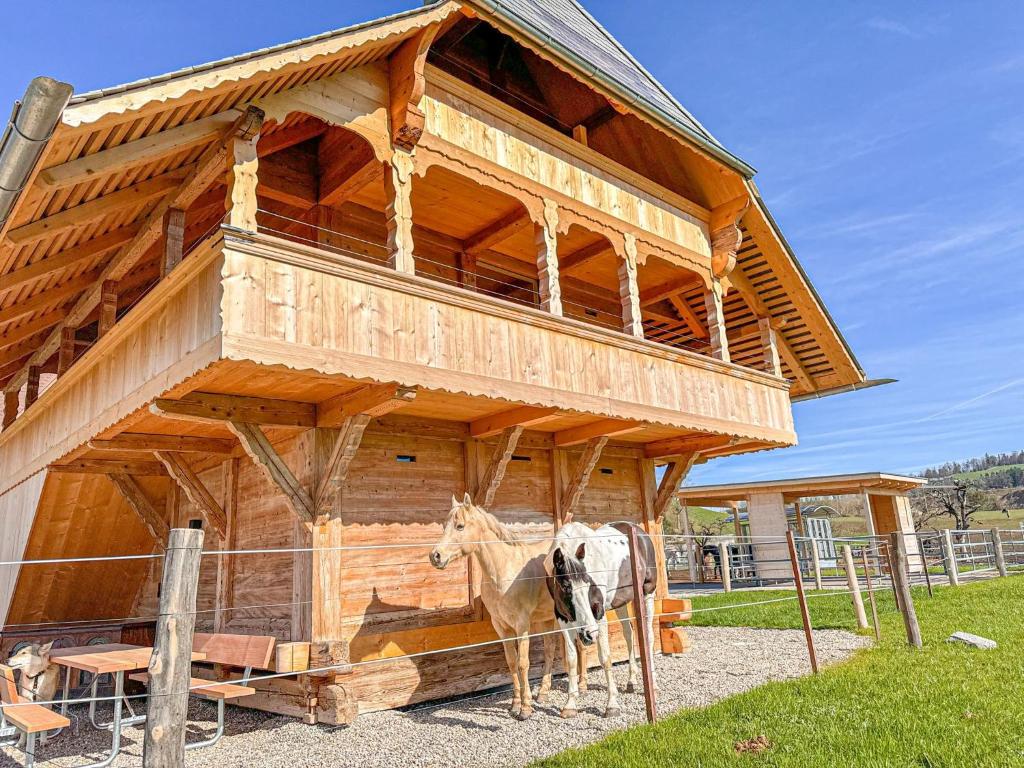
{"x":170,"y":668}
{"x":901,"y":579}
{"x":805,"y":615}
{"x":851,"y":582}
{"x":642,"y":630}
{"x":949,"y":558}
{"x":997,"y":545}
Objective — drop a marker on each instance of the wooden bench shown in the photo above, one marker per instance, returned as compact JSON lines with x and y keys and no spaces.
{"x":245,"y":651}
{"x":30,"y":719}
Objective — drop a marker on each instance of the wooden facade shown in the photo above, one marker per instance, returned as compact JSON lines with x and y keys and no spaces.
{"x":304,"y":296}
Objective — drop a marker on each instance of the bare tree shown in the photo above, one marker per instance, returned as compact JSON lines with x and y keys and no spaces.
{"x":960,"y":501}
{"x":926,"y":509}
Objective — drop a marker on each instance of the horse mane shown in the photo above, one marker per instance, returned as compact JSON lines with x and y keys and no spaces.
{"x":500,"y":531}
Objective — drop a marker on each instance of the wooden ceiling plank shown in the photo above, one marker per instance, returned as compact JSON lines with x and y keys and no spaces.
{"x":16,"y":334}
{"x":51,"y":296}
{"x":337,"y":188}
{"x":137,"y":152}
{"x":669,"y":288}
{"x":204,"y":406}
{"x":135,"y":441}
{"x":689,"y":316}
{"x":526,"y":416}
{"x":583,"y":256}
{"x":374,"y":400}
{"x":680,"y":446}
{"x":498,"y":231}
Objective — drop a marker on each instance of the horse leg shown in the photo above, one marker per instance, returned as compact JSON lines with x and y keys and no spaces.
{"x":581,"y":672}
{"x":604,"y":653}
{"x":523,"y":651}
{"x":513,"y":670}
{"x":549,"y":641}
{"x":627,"y":633}
{"x":572,"y":672}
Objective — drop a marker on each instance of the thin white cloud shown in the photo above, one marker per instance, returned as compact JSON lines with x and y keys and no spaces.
{"x":970,"y":401}
{"x":892,"y":26}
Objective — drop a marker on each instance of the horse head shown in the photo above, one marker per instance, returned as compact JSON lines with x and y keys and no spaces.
{"x":579,"y":602}
{"x":461,"y":533}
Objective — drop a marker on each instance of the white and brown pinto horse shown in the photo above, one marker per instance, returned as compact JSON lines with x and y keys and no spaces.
{"x":512,"y":590}
{"x":590,"y":573}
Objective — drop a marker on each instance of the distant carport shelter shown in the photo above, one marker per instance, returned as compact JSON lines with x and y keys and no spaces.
{"x":886,"y":507}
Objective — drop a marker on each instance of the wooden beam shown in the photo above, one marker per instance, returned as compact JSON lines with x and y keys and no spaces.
{"x":174,"y":240}
{"x":594,"y":121}
{"x":289,"y":178}
{"x":51,"y":296}
{"x":31,"y":385}
{"x":769,"y":346}
{"x":674,"y":475}
{"x":110,"y":466}
{"x":137,"y":441}
{"x":373,"y":400}
{"x":629,"y":291}
{"x":138,"y":152}
{"x":726,"y":235}
{"x":497,"y":231}
{"x":688,"y":316}
{"x":270,"y":463}
{"x":670,"y":288}
{"x":346,"y":164}
{"x":602,"y":428}
{"x":81,"y":214}
{"x":132,"y":492}
{"x":243,"y":180}
{"x":406,"y":85}
{"x":398,"y":213}
{"x":680,"y":446}
{"x":204,"y":406}
{"x":336,"y":467}
{"x":90,"y":249}
{"x":289,"y":136}
{"x":549,"y":288}
{"x":108,"y":307}
{"x":583,"y":256}
{"x":31,"y":328}
{"x":496,"y":467}
{"x":10,"y":408}
{"x":66,"y":353}
{"x":581,"y":476}
{"x":195,"y":490}
{"x":717,"y":332}
{"x":579,"y":133}
{"x":525,"y":416}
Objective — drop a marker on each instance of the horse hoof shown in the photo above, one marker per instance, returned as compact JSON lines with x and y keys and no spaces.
{"x":523,"y":714}
{"x":569,"y":713}
{"x":612,"y":712}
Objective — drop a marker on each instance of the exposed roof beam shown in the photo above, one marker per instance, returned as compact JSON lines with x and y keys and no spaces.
{"x":135,"y":441}
{"x":602,"y":428}
{"x":347,"y":164}
{"x":689,"y":316}
{"x":373,"y":400}
{"x":69,"y":257}
{"x":195,"y":489}
{"x":599,"y":118}
{"x":138,"y":501}
{"x":49,"y":297}
{"x":497,"y":231}
{"x":109,"y":466}
{"x":81,"y":214}
{"x":203,"y":406}
{"x":525,"y":416}
{"x":134,"y":153}
{"x":670,"y":288}
{"x":289,"y":136}
{"x":583,"y":256}
{"x":272,"y":466}
{"x":278,"y":180}
{"x":680,"y":446}
{"x":14,"y":335}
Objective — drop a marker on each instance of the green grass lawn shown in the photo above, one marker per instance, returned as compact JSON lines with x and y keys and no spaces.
{"x":943,"y":706}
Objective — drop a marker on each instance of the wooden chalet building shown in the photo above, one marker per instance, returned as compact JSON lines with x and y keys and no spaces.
{"x":303,"y":295}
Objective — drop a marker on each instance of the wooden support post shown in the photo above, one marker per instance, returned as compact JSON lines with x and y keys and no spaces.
{"x":108,"y":307}
{"x":997,"y":545}
{"x":195,"y":490}
{"x":642,"y":628}
{"x":548,"y":285}
{"x":805,"y":615}
{"x":901,"y":578}
{"x":174,"y":240}
{"x":716,"y":321}
{"x":132,"y":492}
{"x":629,"y":292}
{"x":467,"y":267}
{"x":723,"y":554}
{"x":871,"y":595}
{"x":10,"y":407}
{"x":267,"y":460}
{"x":692,"y":566}
{"x":869,"y":516}
{"x":924,"y":566}
{"x":815,"y":562}
{"x":32,"y":386}
{"x":170,"y":668}
{"x":497,"y":465}
{"x":799,"y":512}
{"x":737,"y":526}
{"x":243,"y":163}
{"x":949,"y":557}
{"x":580,"y":478}
{"x":854,"y":587}
{"x":226,"y":563}
{"x":770,"y":347}
{"x":398,"y":213}
{"x":66,"y":352}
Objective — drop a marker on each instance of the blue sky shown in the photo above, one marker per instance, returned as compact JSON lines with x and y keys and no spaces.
{"x":889,"y":140}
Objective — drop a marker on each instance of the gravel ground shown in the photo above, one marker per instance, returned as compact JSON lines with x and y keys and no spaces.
{"x":478,"y":730}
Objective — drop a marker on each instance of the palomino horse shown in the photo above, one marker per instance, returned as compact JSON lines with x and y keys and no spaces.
{"x":512,"y":589}
{"x":589,"y":573}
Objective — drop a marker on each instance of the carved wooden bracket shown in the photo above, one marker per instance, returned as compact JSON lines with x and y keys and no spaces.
{"x":195,"y":490}
{"x":581,"y":477}
{"x":726,"y":235}
{"x":498,"y":464}
{"x":406,"y":86}
{"x":132,"y":492}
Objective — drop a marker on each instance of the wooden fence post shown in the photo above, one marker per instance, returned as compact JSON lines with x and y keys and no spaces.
{"x":816,"y":562}
{"x":924,"y":565}
{"x":802,"y":599}
{"x":851,"y":582}
{"x":871,"y":595}
{"x":901,"y":578}
{"x":949,"y":557}
{"x":170,"y":668}
{"x":723,"y":553}
{"x":997,"y":544}
{"x":642,"y":633}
